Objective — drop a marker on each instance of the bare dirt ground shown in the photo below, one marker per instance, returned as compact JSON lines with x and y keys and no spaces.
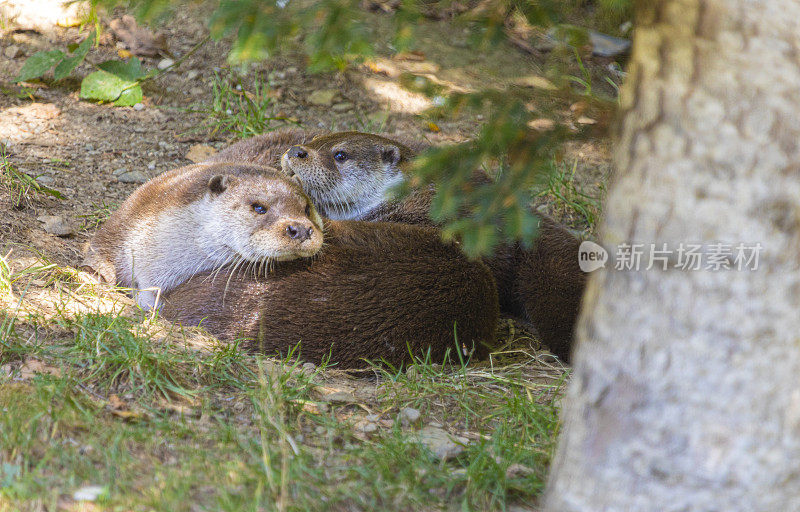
{"x":81,"y":149}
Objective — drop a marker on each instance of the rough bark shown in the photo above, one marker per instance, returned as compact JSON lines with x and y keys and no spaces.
{"x":686,"y":386}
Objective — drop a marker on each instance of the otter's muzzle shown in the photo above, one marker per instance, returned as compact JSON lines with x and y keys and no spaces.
{"x":297,"y":152}
{"x":298,"y":232}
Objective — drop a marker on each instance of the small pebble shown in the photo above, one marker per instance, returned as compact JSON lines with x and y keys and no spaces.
{"x":191,"y":75}
{"x":56,"y":225}
{"x":138,"y":106}
{"x":165,"y":63}
{"x":409,"y":415}
{"x":366,"y":427}
{"x":88,"y":493}
{"x":45,"y":180}
{"x":132,"y":177}
{"x":12,"y":51}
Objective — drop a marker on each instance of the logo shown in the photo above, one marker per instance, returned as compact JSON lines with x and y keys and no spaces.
{"x":591,"y":256}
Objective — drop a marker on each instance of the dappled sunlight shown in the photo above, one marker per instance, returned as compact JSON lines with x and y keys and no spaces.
{"x":25,"y":122}
{"x":396,"y":98}
{"x":43,"y":14}
{"x":43,"y":291}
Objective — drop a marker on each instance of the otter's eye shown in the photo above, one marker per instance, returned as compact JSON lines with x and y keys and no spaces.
{"x":259,"y":208}
{"x":308,"y":210}
{"x":340,"y":156}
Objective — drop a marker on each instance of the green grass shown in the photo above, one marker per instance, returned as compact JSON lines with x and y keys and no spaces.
{"x":160,"y":422}
{"x":97,"y":214}
{"x":243,"y":110}
{"x":562,"y":189}
{"x":22,"y":188}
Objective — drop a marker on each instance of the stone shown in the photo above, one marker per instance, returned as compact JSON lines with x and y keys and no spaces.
{"x":132,"y":177}
{"x":366,"y":427}
{"x":322,"y":97}
{"x":138,"y":106}
{"x":12,"y":51}
{"x":88,"y":493}
{"x":608,"y":46}
{"x":165,"y":63}
{"x":56,"y":225}
{"x":342,"y":107}
{"x":192,"y":74}
{"x":45,"y":180}
{"x":409,"y":415}
{"x":443,"y":445}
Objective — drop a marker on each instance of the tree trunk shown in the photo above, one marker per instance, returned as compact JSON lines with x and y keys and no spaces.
{"x":686,"y":386}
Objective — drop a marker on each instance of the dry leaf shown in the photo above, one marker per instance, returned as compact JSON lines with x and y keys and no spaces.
{"x":200,"y":152}
{"x":586,"y":120}
{"x":536,"y":81}
{"x":433,"y":127}
{"x":415,"y":55}
{"x":541,"y":125}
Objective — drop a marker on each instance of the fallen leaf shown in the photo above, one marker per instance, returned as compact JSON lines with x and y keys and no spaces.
{"x":541,"y":125}
{"x":433,"y":127}
{"x":124,"y":54}
{"x":115,"y":402}
{"x":536,"y":81}
{"x":415,"y":55}
{"x":586,"y":120}
{"x":200,"y":152}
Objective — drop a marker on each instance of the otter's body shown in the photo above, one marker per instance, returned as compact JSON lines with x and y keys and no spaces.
{"x":375,"y":291}
{"x":202,"y":217}
{"x":349,"y":176}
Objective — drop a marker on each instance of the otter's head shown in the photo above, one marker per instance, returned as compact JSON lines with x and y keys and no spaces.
{"x":348,"y":173}
{"x":262,"y":218}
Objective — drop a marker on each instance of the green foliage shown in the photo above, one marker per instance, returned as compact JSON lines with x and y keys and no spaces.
{"x":498,"y":210}
{"x":40,"y":62}
{"x":116,"y":81}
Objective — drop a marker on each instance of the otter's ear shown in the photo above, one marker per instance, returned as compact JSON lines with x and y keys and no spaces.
{"x":219,"y":183}
{"x":390,"y":154}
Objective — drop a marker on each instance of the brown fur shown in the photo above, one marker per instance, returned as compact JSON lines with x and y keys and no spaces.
{"x":263,"y":149}
{"x":543,"y":285}
{"x":373,"y":289}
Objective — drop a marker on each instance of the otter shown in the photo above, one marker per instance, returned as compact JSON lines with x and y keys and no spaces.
{"x":203,"y":217}
{"x":349,"y":175}
{"x":380,"y":292}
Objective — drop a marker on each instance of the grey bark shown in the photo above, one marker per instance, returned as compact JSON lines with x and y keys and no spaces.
{"x":686,"y":386}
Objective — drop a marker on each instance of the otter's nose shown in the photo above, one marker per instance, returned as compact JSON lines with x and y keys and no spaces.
{"x":299,"y":232}
{"x":297,"y":152}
